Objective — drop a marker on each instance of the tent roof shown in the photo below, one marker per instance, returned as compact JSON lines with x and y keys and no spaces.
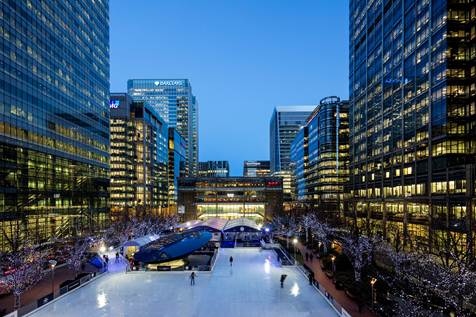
{"x":189,"y":224}
{"x":241,"y":222}
{"x":216,"y":223}
{"x":139,"y":242}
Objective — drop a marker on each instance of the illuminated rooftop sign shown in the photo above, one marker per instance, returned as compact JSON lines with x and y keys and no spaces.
{"x":169,"y":82}
{"x":114,"y":103}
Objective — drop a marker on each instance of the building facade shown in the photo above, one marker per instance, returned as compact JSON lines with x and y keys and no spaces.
{"x":320,"y":156}
{"x":139,"y":159}
{"x":54,"y":119}
{"x":256,"y":168}
{"x":412,"y":118}
{"x":213,"y":169}
{"x":175,"y":103}
{"x":285,"y":123}
{"x":177,"y":161}
{"x":299,"y":164}
{"x":257,"y":198}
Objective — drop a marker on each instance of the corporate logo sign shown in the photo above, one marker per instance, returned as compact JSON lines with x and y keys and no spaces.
{"x":169,"y":82}
{"x":114,"y":103}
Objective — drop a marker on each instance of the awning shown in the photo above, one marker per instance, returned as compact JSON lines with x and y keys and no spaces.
{"x":174,"y":247}
{"x":241,"y":225}
{"x":139,"y":242}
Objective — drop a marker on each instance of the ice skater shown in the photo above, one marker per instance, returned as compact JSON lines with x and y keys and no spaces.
{"x":283,"y":277}
{"x":117,"y":257}
{"x":311,"y":278}
{"x":231,"y":261}
{"x":192,"y":278}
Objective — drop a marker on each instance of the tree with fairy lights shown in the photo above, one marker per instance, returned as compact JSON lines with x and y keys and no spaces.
{"x":26,"y":269}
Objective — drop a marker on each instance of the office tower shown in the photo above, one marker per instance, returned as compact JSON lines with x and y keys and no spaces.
{"x":139,"y":159}
{"x":256,"y":168}
{"x":177,"y":159}
{"x":285,"y":123}
{"x":214,"y":169}
{"x":175,"y":103}
{"x":412,"y":120}
{"x":54,"y":122}
{"x":320,"y":156}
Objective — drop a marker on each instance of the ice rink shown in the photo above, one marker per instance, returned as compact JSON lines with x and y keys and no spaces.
{"x":249,"y":288}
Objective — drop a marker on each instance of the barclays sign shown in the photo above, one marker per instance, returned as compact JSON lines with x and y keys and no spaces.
{"x":169,"y":82}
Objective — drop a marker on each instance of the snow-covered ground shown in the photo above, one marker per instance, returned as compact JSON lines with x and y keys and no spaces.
{"x":249,"y":288}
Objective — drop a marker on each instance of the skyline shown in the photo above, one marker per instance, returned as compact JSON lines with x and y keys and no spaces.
{"x":217,"y":74}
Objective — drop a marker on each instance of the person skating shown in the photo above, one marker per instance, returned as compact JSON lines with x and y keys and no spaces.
{"x":283,"y":277}
{"x":192,"y":278}
{"x":117,"y":257}
{"x":231,"y":261}
{"x":311,"y":278}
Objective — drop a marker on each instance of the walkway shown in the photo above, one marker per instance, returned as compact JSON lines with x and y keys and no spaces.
{"x":44,"y":287}
{"x":40,"y":290}
{"x":249,"y":288}
{"x":349,"y":305}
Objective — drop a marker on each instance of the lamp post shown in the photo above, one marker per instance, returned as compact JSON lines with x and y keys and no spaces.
{"x":52,"y":265}
{"x":295,"y":241}
{"x":333,"y":258}
{"x":372,"y":282}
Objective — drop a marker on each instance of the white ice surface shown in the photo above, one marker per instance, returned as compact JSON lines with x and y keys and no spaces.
{"x":250,"y":288}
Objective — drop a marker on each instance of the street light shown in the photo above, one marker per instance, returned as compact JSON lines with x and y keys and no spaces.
{"x":52,"y":265}
{"x":372,"y":282}
{"x":295,"y":241}
{"x":333,"y":258}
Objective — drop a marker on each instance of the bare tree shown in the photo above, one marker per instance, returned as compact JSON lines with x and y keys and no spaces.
{"x":360,"y":251}
{"x":77,"y":254}
{"x":26,"y":270}
{"x":308,"y":221}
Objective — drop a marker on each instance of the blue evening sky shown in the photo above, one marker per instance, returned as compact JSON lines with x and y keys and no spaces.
{"x":243,"y":58}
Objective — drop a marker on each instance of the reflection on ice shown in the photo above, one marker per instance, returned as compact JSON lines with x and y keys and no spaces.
{"x":295,"y":290}
{"x":101,"y":300}
{"x":267,"y":266}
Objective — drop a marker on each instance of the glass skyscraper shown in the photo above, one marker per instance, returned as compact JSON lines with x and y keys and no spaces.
{"x":413,"y":122}
{"x":175,"y":103}
{"x":54,"y":118}
{"x":285,"y":123}
{"x":320,"y":159}
{"x":256,"y":168}
{"x":213,"y":169}
{"x":139,"y":159}
{"x":177,"y":159}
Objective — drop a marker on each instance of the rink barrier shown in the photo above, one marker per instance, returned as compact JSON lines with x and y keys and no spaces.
{"x":323,"y":292}
{"x":34,"y":307}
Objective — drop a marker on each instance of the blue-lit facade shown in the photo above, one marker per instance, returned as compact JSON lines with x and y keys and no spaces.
{"x":413,"y":122}
{"x":285,"y":123}
{"x":139,"y":159}
{"x":54,"y":118}
{"x":177,"y":161}
{"x":214,"y":169}
{"x":320,"y":159}
{"x":299,"y":161}
{"x":174,"y":101}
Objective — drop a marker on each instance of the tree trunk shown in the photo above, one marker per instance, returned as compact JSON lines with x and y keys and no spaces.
{"x":17,"y":302}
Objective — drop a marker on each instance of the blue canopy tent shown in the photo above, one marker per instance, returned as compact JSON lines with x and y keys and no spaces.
{"x":178,"y":246}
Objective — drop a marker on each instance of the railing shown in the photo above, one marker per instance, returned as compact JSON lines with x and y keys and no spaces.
{"x":27,"y":310}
